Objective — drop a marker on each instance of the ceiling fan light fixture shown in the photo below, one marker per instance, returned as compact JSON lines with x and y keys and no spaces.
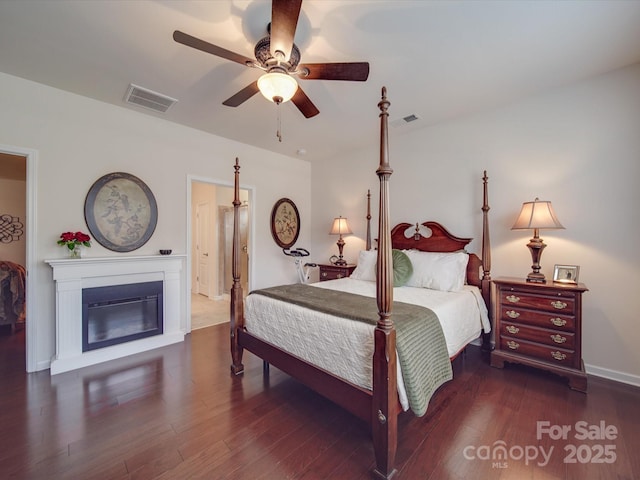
{"x":277,"y":87}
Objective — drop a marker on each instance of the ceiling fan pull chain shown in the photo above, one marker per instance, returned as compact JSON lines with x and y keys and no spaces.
{"x":279,"y":131}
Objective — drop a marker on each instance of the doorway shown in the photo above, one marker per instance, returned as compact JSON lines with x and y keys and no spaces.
{"x":13,"y":258}
{"x":226,"y":240}
{"x":210,"y":250}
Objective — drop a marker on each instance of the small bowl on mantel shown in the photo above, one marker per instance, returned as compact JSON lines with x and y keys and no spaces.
{"x":165,"y":252}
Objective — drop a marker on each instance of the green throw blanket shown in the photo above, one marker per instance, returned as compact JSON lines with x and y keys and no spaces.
{"x":420,"y":343}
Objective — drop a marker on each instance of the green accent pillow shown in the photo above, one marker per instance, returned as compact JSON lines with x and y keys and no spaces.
{"x":402,"y":268}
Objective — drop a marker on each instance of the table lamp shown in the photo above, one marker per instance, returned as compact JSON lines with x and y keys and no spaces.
{"x":536,"y":215}
{"x":340,"y":227}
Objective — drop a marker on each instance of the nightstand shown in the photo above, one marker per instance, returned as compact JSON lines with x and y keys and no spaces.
{"x":331,"y":272}
{"x":539,"y":325}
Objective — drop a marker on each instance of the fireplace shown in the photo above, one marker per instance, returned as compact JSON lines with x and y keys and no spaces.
{"x":131,"y":304}
{"x":120,"y":313}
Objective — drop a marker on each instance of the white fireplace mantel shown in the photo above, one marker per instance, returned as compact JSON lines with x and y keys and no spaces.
{"x":72,"y":275}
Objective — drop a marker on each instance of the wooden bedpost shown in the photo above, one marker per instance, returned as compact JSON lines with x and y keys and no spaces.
{"x":237,"y":306}
{"x":486,"y":258}
{"x":368,"y":241}
{"x":384,"y":421}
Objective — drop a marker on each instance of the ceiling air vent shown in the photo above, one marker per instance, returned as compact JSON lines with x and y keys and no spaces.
{"x":399,"y":122}
{"x":148,"y":99}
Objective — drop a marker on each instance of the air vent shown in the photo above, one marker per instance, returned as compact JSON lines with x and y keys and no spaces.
{"x":148,"y":99}
{"x":404,"y":120}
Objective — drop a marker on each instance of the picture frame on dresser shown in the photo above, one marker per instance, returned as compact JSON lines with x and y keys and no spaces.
{"x":566,"y":274}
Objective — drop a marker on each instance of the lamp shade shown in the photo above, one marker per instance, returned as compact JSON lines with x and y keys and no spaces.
{"x":538,"y":214}
{"x":277,"y":87}
{"x":340,"y":227}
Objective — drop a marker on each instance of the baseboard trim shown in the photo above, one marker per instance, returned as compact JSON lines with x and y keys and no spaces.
{"x":42,"y":365}
{"x":614,"y":375}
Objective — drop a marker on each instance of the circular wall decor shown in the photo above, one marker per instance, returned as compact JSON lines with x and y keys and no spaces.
{"x":121,"y":212}
{"x":285,"y":223}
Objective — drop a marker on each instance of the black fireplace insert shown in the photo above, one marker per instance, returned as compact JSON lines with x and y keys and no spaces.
{"x":121,"y":313}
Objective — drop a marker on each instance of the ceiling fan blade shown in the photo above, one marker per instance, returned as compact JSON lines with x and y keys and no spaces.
{"x":304,"y":104}
{"x":284,"y":20}
{"x":351,"y":71}
{"x":189,"y":41}
{"x":242,"y":96}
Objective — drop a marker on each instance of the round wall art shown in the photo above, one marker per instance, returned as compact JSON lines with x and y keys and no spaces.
{"x":121,"y":212}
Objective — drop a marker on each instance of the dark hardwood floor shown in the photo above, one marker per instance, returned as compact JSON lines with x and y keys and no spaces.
{"x":176,"y":413}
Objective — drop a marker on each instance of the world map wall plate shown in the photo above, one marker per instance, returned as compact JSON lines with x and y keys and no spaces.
{"x":121,"y":212}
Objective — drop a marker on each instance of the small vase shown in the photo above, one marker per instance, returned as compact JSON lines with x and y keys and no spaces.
{"x":76,"y":252}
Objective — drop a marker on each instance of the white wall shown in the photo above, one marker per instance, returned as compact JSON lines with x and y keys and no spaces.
{"x":577,"y":146}
{"x":78,"y":140}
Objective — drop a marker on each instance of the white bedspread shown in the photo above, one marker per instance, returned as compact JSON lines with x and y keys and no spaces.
{"x":344,"y":347}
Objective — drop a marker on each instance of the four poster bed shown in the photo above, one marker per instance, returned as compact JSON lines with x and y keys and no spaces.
{"x":372,"y":363}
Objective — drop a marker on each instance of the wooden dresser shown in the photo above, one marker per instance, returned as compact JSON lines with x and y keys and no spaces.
{"x":540,"y":325}
{"x":331,"y":272}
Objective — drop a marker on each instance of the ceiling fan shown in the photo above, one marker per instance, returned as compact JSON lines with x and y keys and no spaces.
{"x":279,"y":57}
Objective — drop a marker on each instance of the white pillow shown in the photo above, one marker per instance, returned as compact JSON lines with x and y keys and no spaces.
{"x":438,"y":271}
{"x":366,"y":269}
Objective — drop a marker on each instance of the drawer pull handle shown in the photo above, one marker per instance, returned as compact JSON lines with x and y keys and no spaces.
{"x":339,"y":275}
{"x":512,"y":314}
{"x":513,"y":299}
{"x":513,"y":345}
{"x":511,"y":329}
{"x":324,"y":274}
{"x":558,"y":355}
{"x":558,"y":338}
{"x":558,"y":304}
{"x":558,"y":322}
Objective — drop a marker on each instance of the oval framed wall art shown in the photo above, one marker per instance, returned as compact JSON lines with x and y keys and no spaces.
{"x":285,"y":223}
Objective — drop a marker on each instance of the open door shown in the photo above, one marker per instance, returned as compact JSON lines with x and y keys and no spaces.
{"x":226,"y":229}
{"x":203,"y":248}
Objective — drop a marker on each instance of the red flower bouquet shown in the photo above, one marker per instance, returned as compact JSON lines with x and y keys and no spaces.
{"x":72,"y":240}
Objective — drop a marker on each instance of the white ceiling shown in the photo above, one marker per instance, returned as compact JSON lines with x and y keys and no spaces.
{"x":438,"y":59}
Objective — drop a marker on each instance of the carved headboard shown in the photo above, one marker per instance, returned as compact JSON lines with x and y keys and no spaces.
{"x":439,"y":240}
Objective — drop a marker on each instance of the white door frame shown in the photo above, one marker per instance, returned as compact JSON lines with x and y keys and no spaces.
{"x":31,"y":235}
{"x":222,"y":183}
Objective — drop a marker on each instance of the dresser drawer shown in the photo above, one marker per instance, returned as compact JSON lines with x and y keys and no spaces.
{"x":546,"y":336}
{"x":509,"y":313}
{"x":557,"y":303}
{"x":333,"y":272}
{"x":556,"y":356}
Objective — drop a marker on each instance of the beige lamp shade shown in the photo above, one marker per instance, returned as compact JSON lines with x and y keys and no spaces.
{"x":538,"y":214}
{"x":340,"y":227}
